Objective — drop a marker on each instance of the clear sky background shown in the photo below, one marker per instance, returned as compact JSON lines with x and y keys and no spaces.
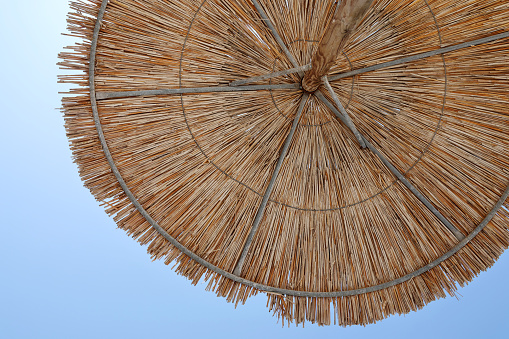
{"x":66,"y":271}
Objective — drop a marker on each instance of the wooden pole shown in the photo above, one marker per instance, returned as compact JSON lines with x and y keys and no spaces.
{"x":348,"y":15}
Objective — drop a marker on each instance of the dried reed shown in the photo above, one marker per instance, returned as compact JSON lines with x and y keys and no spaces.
{"x":337,"y":220}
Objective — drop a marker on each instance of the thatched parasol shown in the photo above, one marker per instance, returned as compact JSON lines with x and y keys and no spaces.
{"x":377,"y":186}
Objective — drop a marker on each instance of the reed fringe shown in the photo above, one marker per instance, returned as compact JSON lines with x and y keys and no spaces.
{"x":200,"y":164}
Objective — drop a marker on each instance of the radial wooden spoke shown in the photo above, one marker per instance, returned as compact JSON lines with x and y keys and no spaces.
{"x":397,"y":173}
{"x":194,"y":90}
{"x":271,"y":75}
{"x":276,"y":35}
{"x":347,"y":119}
{"x":420,"y":56}
{"x":270,"y":187}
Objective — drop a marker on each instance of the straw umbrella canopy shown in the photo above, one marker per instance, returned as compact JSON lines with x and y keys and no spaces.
{"x":349,"y":159}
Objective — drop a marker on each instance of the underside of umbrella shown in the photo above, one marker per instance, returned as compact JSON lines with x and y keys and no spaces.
{"x":376,"y":194}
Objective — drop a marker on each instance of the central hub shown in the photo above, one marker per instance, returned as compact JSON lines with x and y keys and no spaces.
{"x":310,"y":83}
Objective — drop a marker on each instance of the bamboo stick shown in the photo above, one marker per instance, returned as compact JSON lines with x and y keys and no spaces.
{"x":194,"y":90}
{"x":259,"y":215}
{"x":343,"y":111}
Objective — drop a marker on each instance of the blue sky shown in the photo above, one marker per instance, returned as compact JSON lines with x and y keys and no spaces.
{"x":67,"y":272}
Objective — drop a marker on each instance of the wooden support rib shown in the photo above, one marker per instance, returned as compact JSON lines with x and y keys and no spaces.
{"x":420,"y":56}
{"x":194,"y":90}
{"x":276,"y":35}
{"x":259,"y":215}
{"x":398,"y":174}
{"x":271,"y":75}
{"x":349,"y":123}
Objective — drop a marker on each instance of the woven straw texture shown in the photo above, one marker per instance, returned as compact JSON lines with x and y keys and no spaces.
{"x":337,"y":219}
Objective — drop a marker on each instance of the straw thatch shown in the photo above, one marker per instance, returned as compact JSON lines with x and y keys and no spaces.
{"x":185,"y":174}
